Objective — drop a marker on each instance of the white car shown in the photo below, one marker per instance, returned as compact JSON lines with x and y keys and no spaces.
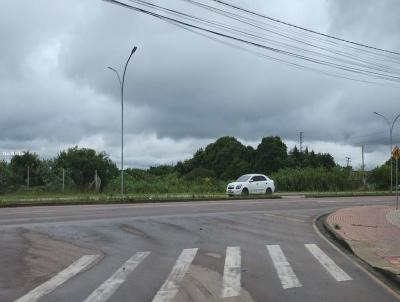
{"x":251,"y":184}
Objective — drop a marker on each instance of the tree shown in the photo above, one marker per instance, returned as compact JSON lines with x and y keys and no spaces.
{"x":199,"y":173}
{"x":82,"y":163}
{"x":52,"y":176}
{"x":5,"y":177}
{"x":380,"y":177}
{"x":19,"y":167}
{"x":270,"y":156}
{"x":325,"y":160}
{"x":226,"y":157}
{"x":220,"y":155}
{"x":309,"y":159}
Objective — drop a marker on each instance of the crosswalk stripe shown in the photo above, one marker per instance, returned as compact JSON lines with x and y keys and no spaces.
{"x":108,"y":287}
{"x":231,"y":280}
{"x":63,"y":276}
{"x":328,"y":263}
{"x":170,"y":287}
{"x":285,"y":272}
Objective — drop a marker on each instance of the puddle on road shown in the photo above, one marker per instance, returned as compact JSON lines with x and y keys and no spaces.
{"x":45,"y":256}
{"x":202,"y":284}
{"x":133,"y":230}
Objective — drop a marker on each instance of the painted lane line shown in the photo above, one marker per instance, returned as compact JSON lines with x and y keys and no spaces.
{"x":108,"y":287}
{"x":231,"y":280}
{"x":63,"y":276}
{"x":284,"y":217}
{"x":328,"y":263}
{"x":170,"y":287}
{"x":285,"y":272}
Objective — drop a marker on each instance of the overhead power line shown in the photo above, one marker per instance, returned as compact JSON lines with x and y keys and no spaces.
{"x":306,"y":29}
{"x":311,"y":50}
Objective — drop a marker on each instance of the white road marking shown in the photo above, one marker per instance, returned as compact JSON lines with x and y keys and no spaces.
{"x":328,"y":263}
{"x":285,"y":272}
{"x":231,"y":281}
{"x":108,"y":287}
{"x":63,"y":276}
{"x":284,"y":217}
{"x":170,"y":287}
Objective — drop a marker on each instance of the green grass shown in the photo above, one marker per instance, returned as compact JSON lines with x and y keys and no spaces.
{"x":27,"y":199}
{"x":347,"y":194}
{"x":33,"y":197}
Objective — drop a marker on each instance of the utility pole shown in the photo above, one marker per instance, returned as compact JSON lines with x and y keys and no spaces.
{"x":301,"y":141}
{"x":348,"y":165}
{"x":363,"y":165}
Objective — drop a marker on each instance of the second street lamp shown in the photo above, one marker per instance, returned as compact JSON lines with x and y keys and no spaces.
{"x":391,"y":125}
{"x":121,"y":84}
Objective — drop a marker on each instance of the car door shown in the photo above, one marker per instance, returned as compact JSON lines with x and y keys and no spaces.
{"x":263,"y":185}
{"x":253,"y":188}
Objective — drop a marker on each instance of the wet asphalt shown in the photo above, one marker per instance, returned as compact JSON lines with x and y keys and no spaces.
{"x":116,"y":232}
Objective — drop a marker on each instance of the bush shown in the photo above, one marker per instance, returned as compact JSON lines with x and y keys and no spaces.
{"x":314,"y":179}
{"x":380,"y":177}
{"x":82,"y":164}
{"x":167,"y":184}
{"x":5,"y":177}
{"x":199,"y":173}
{"x":19,"y":168}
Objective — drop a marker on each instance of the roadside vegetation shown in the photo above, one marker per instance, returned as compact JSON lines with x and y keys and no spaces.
{"x":205,"y":174}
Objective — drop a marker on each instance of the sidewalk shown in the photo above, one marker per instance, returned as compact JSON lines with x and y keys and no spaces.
{"x":372,"y":232}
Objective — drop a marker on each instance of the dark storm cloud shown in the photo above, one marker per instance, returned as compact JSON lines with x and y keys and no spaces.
{"x":195,"y":87}
{"x":374,"y":22}
{"x":181,"y":88}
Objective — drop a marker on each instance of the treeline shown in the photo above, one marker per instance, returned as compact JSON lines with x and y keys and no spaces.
{"x":227,"y":158}
{"x":75,"y":166}
{"x":206,"y":172}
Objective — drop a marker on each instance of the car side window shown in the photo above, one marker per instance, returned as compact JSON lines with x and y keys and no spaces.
{"x":262,"y":178}
{"x":254,"y":178}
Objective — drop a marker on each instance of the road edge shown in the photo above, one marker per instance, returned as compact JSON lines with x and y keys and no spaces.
{"x":380,"y":276}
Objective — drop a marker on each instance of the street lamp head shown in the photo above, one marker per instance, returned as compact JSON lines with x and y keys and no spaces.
{"x":376,"y":113}
{"x":134,"y":49}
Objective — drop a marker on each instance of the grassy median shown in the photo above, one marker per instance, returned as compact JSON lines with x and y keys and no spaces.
{"x":35,"y":198}
{"x":18,"y":199}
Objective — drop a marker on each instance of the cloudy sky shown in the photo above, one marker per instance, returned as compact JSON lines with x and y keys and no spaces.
{"x":183,"y":90}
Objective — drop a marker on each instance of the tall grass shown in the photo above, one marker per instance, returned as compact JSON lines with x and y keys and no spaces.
{"x":316,"y":179}
{"x":166,"y":184}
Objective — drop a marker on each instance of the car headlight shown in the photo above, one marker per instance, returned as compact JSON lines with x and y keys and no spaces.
{"x":238,"y":187}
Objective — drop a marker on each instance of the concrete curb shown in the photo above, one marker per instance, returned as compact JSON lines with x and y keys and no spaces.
{"x":337,"y":237}
{"x":391,"y":278}
{"x":75,"y":202}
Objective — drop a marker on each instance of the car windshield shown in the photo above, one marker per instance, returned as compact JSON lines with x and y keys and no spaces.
{"x":243,"y":178}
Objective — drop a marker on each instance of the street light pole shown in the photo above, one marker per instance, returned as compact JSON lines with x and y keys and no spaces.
{"x":121,"y":84}
{"x":391,"y":126}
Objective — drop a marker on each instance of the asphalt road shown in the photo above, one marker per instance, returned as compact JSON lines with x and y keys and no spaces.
{"x":255,"y":250}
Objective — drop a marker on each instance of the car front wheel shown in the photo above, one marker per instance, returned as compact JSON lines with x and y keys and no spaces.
{"x":245,"y":192}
